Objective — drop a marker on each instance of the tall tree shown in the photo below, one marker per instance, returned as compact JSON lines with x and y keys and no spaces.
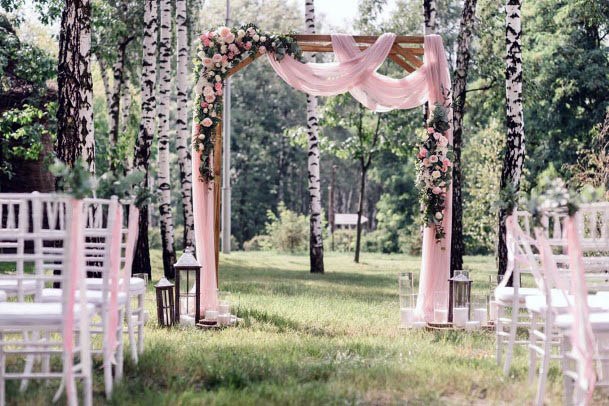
{"x":143,"y":145}
{"x":184,"y":158}
{"x":118,"y":72}
{"x":316,"y":245}
{"x":515,"y":142}
{"x":429,"y":13}
{"x":164,"y":181}
{"x":75,"y":112}
{"x":459,"y":92}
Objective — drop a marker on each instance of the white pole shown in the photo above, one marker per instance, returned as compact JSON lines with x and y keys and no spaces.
{"x":226,"y":188}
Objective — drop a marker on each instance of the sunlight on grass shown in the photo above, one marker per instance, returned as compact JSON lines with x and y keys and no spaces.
{"x":316,"y":339}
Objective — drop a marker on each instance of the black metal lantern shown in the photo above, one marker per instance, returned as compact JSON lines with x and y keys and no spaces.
{"x":188,"y":288}
{"x":164,"y":303}
{"x":460,"y":290}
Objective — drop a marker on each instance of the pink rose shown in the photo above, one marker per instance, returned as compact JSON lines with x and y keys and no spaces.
{"x":262,"y":49}
{"x":233,"y":48}
{"x":433,"y":159}
{"x":219,"y":92}
{"x":426,"y":162}
{"x":446,"y":162}
{"x":207,"y":62}
{"x":210,"y":98}
{"x":231,"y":55}
{"x":207,"y":122}
{"x":216,"y":58}
{"x":224,"y":32}
{"x":430,"y":130}
{"x":204,"y":105}
{"x":197,"y":129}
{"x":437,"y":136}
{"x":436,"y":190}
{"x":248,"y":45}
{"x":206,"y":42}
{"x":224,"y":59}
{"x":218,"y":86}
{"x":423,"y":152}
{"x":230,"y":38}
{"x":444,"y":168}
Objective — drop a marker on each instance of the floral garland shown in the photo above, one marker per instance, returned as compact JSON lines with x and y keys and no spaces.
{"x":220,"y":50}
{"x":434,"y":167}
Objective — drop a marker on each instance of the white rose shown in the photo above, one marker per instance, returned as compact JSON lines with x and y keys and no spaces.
{"x":439,"y":215}
{"x":201,"y":54}
{"x":256,"y":38}
{"x":218,"y":78}
{"x":213,"y":114}
{"x":205,"y":110}
{"x":240,"y":34}
{"x":207,"y":90}
{"x":263,"y":38}
{"x":223,"y":49}
{"x":435,"y":174}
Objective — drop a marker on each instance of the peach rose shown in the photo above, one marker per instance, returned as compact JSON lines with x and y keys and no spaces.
{"x":207,"y":122}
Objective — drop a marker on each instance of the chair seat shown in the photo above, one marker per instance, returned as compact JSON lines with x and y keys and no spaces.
{"x":506,"y":293}
{"x":93,"y":296}
{"x":598,"y":320}
{"x":135,"y":284}
{"x":9,"y":286}
{"x":537,"y":304}
{"x":34,"y":314}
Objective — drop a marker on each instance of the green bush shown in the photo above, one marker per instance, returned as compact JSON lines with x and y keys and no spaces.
{"x":344,"y":240}
{"x":258,"y":243}
{"x":289,"y":232}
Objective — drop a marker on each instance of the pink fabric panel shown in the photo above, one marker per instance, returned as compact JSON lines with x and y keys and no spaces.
{"x":435,"y":261}
{"x":132,"y":231}
{"x":114,"y":265}
{"x":75,"y":265}
{"x":203,"y":211}
{"x":582,"y":337}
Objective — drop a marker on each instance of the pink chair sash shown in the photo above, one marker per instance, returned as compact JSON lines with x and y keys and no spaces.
{"x":114,"y":265}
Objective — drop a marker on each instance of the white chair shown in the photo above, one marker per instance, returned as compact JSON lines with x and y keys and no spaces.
{"x":43,"y":231}
{"x":100,"y":218}
{"x":133,"y":288}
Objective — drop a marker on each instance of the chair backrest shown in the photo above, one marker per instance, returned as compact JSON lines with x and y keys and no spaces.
{"x":129,"y":235}
{"x":593,"y":226}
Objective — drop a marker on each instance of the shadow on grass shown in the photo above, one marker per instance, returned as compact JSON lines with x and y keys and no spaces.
{"x":283,"y":324}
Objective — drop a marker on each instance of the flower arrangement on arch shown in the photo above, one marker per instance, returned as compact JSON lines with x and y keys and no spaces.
{"x":434,"y":170}
{"x":220,"y":50}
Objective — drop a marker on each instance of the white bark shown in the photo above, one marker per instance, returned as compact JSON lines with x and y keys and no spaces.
{"x":75,"y":113}
{"x":316,"y":241}
{"x":184,"y":158}
{"x":125,"y":107}
{"x":429,"y":7}
{"x":165,"y":208}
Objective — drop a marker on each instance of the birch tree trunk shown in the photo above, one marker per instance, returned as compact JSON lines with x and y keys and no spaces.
{"x":143,"y":145}
{"x":125,"y":106}
{"x":515,"y":142}
{"x":184,"y":158}
{"x":316,"y":245}
{"x":75,"y":111}
{"x":459,"y":92}
{"x":429,"y":13}
{"x":164,"y":188}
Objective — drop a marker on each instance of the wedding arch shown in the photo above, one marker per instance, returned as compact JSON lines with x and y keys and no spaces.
{"x":224,"y":51}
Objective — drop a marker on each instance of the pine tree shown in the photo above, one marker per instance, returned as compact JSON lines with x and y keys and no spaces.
{"x":316,"y":246}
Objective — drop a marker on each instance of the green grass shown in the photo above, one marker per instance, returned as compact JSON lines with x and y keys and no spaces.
{"x":315,"y":339}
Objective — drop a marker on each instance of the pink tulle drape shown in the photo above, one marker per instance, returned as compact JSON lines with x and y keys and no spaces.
{"x":115,"y":266}
{"x":203,"y":212}
{"x":355,"y":72}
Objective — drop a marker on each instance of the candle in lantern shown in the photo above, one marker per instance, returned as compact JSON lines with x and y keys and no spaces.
{"x":406,"y":316}
{"x":211,"y":315}
{"x":440,"y":315}
{"x":480,"y":315}
{"x":460,"y":316}
{"x":187,"y":320}
{"x":472,"y":325}
{"x":223,"y":308}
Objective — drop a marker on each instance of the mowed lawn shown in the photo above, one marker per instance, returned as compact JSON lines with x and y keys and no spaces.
{"x":315,"y":339}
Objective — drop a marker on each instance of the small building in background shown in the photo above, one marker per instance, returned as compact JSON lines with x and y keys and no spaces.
{"x":347,"y":221}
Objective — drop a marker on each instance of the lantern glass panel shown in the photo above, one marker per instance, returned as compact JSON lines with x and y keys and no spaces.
{"x":187,"y":293}
{"x":461,"y":289}
{"x":165,"y":303}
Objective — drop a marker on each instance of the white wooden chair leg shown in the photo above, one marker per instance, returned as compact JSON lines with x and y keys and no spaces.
{"x":119,"y":350}
{"x":140,"y":323}
{"x":29,"y":363}
{"x":567,"y":381}
{"x":2,"y":372}
{"x":498,"y":330}
{"x":107,"y":371}
{"x":545,"y":362}
{"x":512,"y":338}
{"x":46,"y":358}
{"x":532,"y":351}
{"x":131,"y":330}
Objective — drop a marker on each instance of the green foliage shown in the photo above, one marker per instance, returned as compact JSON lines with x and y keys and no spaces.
{"x":258,"y":243}
{"x":288,"y":231}
{"x":75,"y":181}
{"x":21,"y":133}
{"x":129,"y":187}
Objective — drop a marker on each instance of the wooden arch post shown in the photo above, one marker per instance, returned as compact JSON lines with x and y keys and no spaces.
{"x":407,"y":52}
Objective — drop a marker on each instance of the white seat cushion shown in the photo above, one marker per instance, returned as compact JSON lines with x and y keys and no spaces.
{"x":506,"y":294}
{"x":93,"y":296}
{"x":135,"y":284}
{"x":537,"y":304}
{"x":10,"y":286}
{"x":34,"y":314}
{"x":598,"y":321}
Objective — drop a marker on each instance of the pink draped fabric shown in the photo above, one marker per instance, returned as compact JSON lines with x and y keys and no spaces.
{"x":76,"y":265}
{"x":114,"y":265}
{"x":582,"y":337}
{"x":356,"y":73}
{"x":203,"y":212}
{"x":132,"y":231}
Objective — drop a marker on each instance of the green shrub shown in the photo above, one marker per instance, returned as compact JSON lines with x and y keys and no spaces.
{"x":344,"y":240}
{"x":289,"y":232}
{"x":258,"y":243}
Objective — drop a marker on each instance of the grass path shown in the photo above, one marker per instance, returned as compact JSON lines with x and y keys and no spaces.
{"x":316,"y":339}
